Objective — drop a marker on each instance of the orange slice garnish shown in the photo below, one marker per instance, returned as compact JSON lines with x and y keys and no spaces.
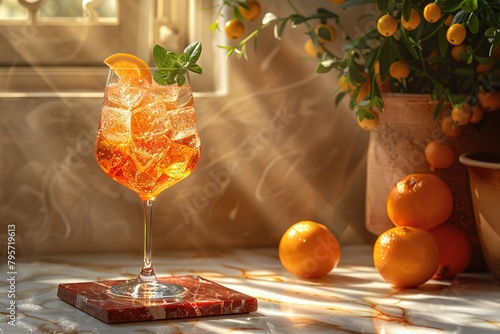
{"x":127,"y":64}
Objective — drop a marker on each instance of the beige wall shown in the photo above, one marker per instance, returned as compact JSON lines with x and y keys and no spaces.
{"x":275,"y":150}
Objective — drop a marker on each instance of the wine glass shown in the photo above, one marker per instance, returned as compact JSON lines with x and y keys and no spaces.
{"x":147,"y":140}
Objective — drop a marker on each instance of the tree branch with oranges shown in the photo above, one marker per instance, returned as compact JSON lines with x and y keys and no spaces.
{"x":448,"y":49}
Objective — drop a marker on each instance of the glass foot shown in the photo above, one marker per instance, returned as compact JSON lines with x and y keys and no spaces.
{"x":153,"y":291}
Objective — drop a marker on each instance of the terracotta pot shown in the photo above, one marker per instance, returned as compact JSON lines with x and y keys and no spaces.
{"x":396,"y":149}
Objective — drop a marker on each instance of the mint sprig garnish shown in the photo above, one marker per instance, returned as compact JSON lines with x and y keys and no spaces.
{"x":171,"y":66}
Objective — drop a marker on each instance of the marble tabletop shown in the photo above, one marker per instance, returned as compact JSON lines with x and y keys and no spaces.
{"x":353,"y":298}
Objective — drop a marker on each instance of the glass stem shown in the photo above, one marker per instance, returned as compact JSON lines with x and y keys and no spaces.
{"x":147,"y":274}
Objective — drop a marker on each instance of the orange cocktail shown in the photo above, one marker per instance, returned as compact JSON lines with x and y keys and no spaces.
{"x":147,"y":140}
{"x":148,"y":136}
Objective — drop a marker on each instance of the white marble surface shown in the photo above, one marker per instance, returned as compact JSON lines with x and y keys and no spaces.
{"x":351,"y":299}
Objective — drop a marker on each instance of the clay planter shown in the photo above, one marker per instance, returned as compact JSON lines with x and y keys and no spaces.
{"x":396,"y":149}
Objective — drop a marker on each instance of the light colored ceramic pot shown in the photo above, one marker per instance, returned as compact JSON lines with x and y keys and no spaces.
{"x":484,"y":176}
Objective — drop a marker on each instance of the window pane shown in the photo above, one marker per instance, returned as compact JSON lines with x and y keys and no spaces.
{"x":57,"y":8}
{"x":12,"y":9}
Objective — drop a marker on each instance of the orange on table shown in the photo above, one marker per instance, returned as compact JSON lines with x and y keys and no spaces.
{"x":420,"y":200}
{"x":406,"y":256}
{"x":309,"y":250}
{"x":455,"y":250}
{"x":124,"y":64}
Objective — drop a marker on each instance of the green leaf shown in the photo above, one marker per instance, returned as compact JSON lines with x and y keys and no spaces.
{"x":324,"y":69}
{"x":443,"y":42}
{"x":473,"y":23}
{"x":448,"y":6}
{"x":193,"y":51}
{"x":195,"y":68}
{"x":171,"y":67}
{"x":437,"y":109}
{"x":324,"y":33}
{"x":160,"y":56}
{"x":382,"y":5}
{"x":406,"y":41}
{"x":407,"y":10}
{"x":469,"y":6}
{"x":460,"y":17}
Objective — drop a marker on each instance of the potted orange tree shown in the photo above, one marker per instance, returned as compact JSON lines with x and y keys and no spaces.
{"x":424,"y":76}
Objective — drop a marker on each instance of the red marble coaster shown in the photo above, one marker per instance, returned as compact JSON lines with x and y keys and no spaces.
{"x":204,"y":298}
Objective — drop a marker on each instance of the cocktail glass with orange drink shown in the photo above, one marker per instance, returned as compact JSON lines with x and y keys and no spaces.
{"x":147,"y":140}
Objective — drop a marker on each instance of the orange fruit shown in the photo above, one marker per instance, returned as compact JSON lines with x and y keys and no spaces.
{"x":477,"y":114}
{"x":456,"y":34}
{"x":456,"y":51}
{"x":344,"y":83}
{"x":325,"y":33}
{"x":489,"y":101}
{"x":369,"y":123}
{"x":234,"y":29}
{"x":485,"y":67}
{"x":406,"y":256}
{"x":413,"y":22}
{"x":309,"y":250}
{"x":420,"y":200}
{"x":253,"y":10}
{"x":433,"y":61}
{"x":124,"y":64}
{"x":364,"y":90}
{"x":461,"y":115}
{"x":312,"y":50}
{"x":455,"y":250}
{"x":439,"y":155}
{"x":387,"y":25}
{"x":449,"y":20}
{"x":450,"y":127}
{"x":399,"y":70}
{"x":432,"y":12}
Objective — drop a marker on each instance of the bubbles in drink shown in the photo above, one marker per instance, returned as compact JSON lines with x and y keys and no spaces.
{"x":150,"y":126}
{"x":184,"y":97}
{"x":128,"y":92}
{"x":184,"y":124}
{"x":149,"y":135}
{"x":115,"y":125}
{"x":175,"y":164}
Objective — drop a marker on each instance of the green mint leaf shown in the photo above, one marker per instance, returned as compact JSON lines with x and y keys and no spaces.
{"x":195,"y":68}
{"x":171,"y":67}
{"x":193,"y":51}
{"x":160,"y":56}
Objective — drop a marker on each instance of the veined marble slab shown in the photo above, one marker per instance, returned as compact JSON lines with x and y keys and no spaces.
{"x":353,"y":298}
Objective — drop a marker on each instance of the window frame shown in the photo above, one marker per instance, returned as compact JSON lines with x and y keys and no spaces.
{"x":136,"y":29}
